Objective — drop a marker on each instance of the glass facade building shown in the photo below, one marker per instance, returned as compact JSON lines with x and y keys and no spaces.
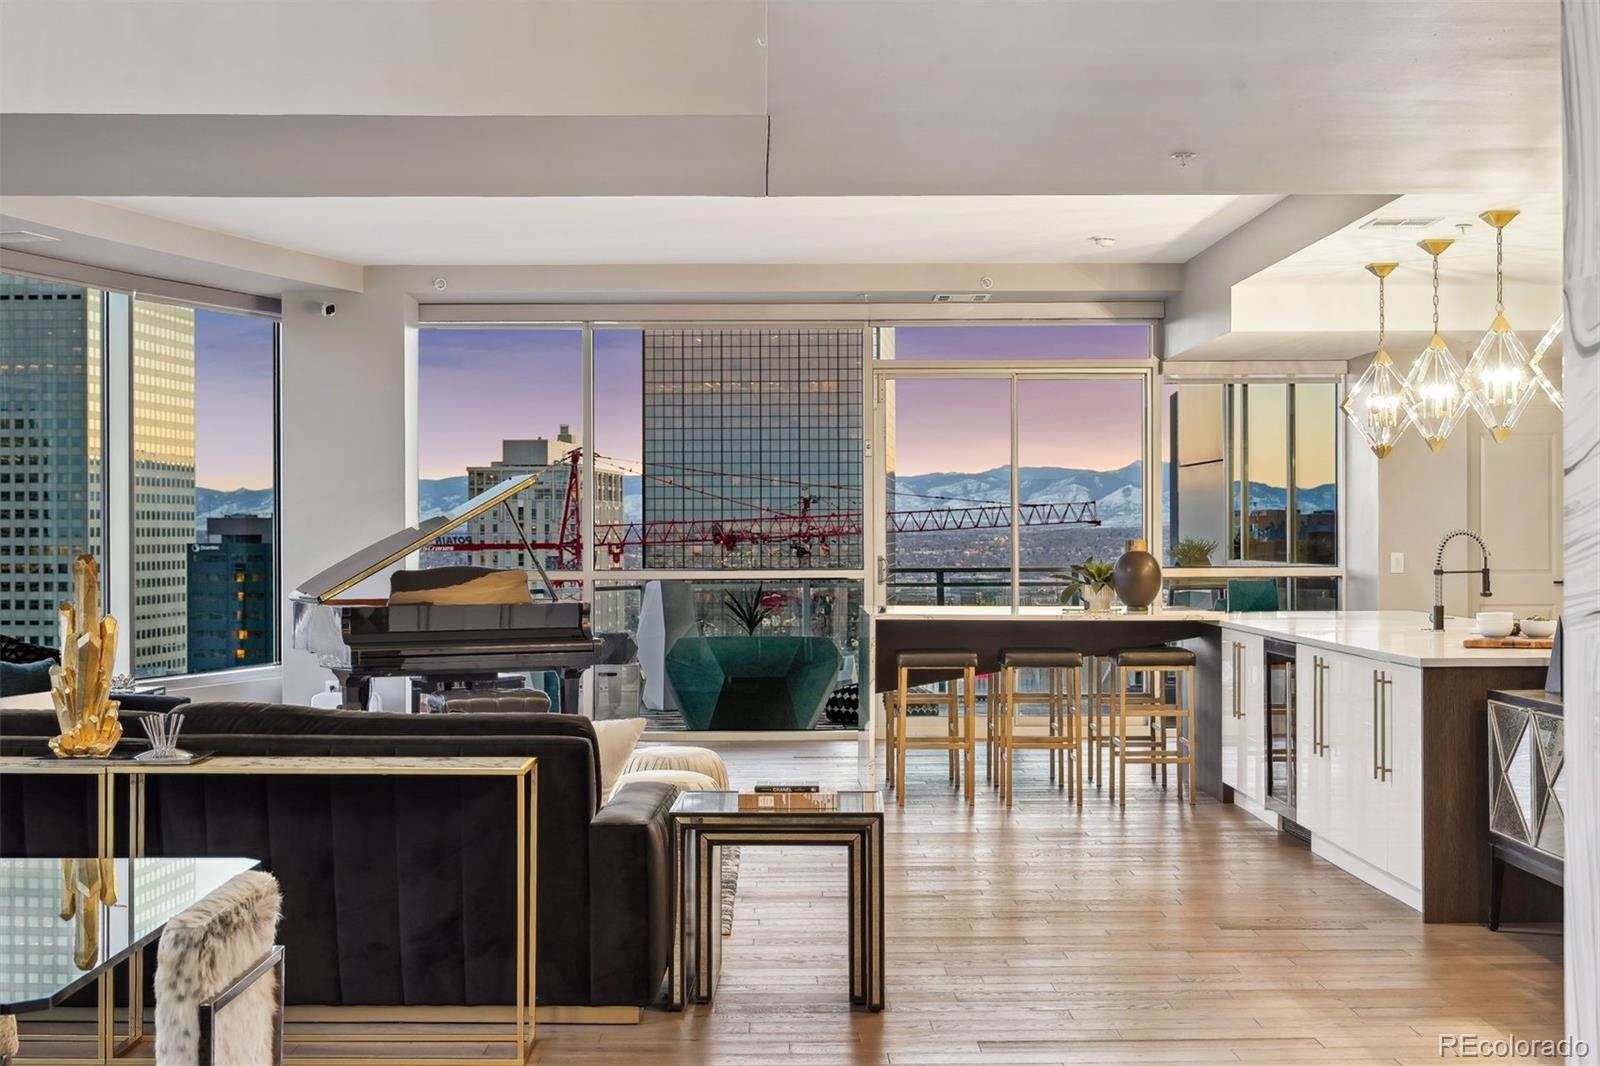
{"x":51,"y":457}
{"x":230,"y":594}
{"x":757,"y":432}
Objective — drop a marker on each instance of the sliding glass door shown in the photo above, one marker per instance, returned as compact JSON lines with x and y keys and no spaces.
{"x":995,"y":482}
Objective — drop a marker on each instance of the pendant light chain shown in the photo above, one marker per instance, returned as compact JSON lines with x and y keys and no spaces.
{"x":1436,"y":294}
{"x":1382,"y":332}
{"x":1499,"y":271}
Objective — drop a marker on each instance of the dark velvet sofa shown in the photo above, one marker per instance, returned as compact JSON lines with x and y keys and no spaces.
{"x":398,"y":890}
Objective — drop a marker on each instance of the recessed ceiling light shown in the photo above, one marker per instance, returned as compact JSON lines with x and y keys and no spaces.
{"x":1183,"y":158}
{"x":1102,"y":242}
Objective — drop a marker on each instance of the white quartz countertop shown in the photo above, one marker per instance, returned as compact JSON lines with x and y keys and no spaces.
{"x":1401,"y":637}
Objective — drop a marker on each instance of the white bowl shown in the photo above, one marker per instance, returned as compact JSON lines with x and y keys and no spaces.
{"x":1538,"y":629}
{"x":1496,"y":623}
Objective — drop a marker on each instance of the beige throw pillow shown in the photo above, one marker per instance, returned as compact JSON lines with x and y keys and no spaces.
{"x":618,"y":737}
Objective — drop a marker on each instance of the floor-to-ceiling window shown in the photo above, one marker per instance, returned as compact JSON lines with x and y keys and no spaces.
{"x":1010,"y":453}
{"x":184,"y":519}
{"x":1253,"y":493}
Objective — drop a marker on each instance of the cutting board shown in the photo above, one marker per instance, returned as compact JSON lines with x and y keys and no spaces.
{"x":1530,"y":643}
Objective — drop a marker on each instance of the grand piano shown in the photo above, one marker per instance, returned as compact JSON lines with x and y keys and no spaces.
{"x":432,"y":626}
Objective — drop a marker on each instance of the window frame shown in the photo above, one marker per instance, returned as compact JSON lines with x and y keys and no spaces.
{"x":1314,"y":374}
{"x":118,"y":292}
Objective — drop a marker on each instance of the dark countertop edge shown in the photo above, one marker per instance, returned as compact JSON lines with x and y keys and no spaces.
{"x":1536,"y":698}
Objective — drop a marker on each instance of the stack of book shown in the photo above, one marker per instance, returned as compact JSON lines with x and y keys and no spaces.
{"x":787,"y":798}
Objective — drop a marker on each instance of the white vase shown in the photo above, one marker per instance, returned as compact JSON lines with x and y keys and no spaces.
{"x":1097,"y":599}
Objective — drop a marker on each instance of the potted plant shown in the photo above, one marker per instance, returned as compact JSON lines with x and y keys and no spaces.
{"x":1090,"y":581}
{"x":759,"y":679}
{"x":1193,"y":551}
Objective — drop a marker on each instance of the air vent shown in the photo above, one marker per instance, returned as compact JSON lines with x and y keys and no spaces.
{"x":961,"y":298}
{"x":24,"y":236}
{"x":1402,"y":223}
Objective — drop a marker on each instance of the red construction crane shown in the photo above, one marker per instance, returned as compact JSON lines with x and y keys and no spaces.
{"x":804,"y":527}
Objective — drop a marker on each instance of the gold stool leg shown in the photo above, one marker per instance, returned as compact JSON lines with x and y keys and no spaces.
{"x":970,"y":745}
{"x":951,"y":727}
{"x":1194,"y":751}
{"x":889,"y":719}
{"x":900,"y":748}
{"x":1075,"y":717}
{"x":1120,"y":734}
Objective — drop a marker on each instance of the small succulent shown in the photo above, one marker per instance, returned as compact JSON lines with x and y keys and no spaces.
{"x":1090,"y":574}
{"x":748,"y":608}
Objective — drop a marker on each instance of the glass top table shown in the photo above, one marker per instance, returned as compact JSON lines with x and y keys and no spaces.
{"x":39,"y":950}
{"x":691,"y":804}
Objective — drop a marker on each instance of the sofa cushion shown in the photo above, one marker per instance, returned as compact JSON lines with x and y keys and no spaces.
{"x":21,"y":679}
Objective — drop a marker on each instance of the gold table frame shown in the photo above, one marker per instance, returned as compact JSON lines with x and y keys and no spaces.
{"x":523,"y":771}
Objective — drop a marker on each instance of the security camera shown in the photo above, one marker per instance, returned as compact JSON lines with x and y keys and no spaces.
{"x":328,"y":310}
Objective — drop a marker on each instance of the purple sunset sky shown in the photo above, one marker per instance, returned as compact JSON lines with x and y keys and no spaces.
{"x":233,"y":400}
{"x":479,"y":386}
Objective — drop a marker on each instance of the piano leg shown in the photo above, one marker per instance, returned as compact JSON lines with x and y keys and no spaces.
{"x":569,"y":692}
{"x":355,"y":692}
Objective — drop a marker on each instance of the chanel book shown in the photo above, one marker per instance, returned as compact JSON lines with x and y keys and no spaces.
{"x":788,"y":788}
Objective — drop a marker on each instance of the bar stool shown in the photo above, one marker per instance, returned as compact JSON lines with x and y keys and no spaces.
{"x":1063,"y":736}
{"x":1153,"y":748}
{"x":961,"y":737}
{"x":891,"y":732}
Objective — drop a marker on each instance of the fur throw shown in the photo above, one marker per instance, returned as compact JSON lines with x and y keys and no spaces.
{"x":8,"y":1036}
{"x":202,"y":951}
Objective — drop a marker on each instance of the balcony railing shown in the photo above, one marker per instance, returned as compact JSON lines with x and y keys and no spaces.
{"x":990,"y":586}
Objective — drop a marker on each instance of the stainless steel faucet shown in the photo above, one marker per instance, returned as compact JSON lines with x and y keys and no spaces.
{"x":1439,"y":571}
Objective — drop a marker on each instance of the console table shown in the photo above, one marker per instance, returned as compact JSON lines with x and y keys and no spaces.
{"x":121,"y":785}
{"x":703,"y":822}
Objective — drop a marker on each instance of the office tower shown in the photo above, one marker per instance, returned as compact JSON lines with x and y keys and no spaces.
{"x":163,"y":474}
{"x":230,"y":594}
{"x":759,"y":426}
{"x":538,"y":509}
{"x":50,"y":448}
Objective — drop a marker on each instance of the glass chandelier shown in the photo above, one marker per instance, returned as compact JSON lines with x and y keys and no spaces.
{"x":1500,"y":377}
{"x":1378,"y":406}
{"x":1539,"y":351}
{"x":1437,"y":399}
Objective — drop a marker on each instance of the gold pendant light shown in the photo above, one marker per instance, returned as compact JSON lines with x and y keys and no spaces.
{"x":1437,"y":399}
{"x":1378,"y":406}
{"x":1499,"y":378}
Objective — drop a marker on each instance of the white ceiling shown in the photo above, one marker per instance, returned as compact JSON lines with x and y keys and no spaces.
{"x":733,"y":230}
{"x":1533,"y":243}
{"x":787,"y":98}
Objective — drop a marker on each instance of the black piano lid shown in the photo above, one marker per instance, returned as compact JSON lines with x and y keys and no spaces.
{"x":343,"y":575}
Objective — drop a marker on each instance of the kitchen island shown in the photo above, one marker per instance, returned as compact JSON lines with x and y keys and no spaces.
{"x":1374,"y":738}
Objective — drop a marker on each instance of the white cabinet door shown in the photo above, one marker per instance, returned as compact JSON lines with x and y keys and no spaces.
{"x":1253,"y":742}
{"x":1348,"y":688}
{"x":1399,"y":792}
{"x":1232,"y":708}
{"x":1312,"y":779}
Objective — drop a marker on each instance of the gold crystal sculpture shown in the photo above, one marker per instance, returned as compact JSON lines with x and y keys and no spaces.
{"x":81,"y":685}
{"x":86,"y":885}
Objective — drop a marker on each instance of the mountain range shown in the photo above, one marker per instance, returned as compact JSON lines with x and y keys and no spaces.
{"x":1115,"y":492}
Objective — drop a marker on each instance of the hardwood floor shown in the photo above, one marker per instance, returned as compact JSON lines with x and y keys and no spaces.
{"x":1162,"y":934}
{"x":1045,"y":935}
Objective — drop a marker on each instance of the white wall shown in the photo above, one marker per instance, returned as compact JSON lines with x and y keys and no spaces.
{"x":348,"y":440}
